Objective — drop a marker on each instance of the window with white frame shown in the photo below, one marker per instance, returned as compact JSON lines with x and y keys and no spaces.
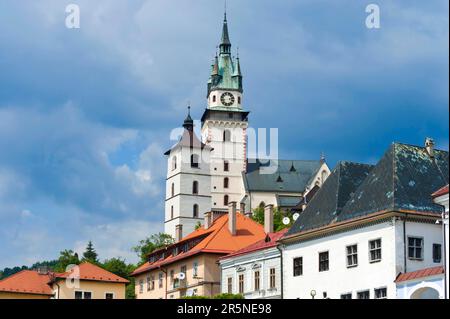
{"x":363,"y":294}
{"x":241,"y":283}
{"x":160,"y":280}
{"x":415,"y":248}
{"x":257,"y":279}
{"x":83,"y":294}
{"x":298,"y":266}
{"x":375,"y":250}
{"x":381,"y":293}
{"x":195,"y":270}
{"x":352,"y":255}
{"x":437,"y":253}
{"x":272,"y":278}
{"x":109,"y":295}
{"x":324,"y":264}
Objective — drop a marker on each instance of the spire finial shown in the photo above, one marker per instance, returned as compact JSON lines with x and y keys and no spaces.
{"x":225,"y":12}
{"x":322,"y":157}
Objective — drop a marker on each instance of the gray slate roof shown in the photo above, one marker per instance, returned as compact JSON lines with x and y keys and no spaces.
{"x":295,"y":175}
{"x":329,"y":200}
{"x":403,"y":179}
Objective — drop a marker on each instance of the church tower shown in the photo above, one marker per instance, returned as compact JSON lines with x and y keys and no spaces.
{"x":224,"y":126}
{"x":188,"y":185}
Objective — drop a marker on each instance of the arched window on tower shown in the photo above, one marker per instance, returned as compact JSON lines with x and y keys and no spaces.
{"x":174,"y":163}
{"x":171,"y":212}
{"x":226,"y":200}
{"x":214,"y":99}
{"x":195,"y":187}
{"x":324,"y":176}
{"x":194,"y":161}
{"x":226,"y":166}
{"x":239,"y":100}
{"x":226,"y":136}
{"x":195,"y":211}
{"x":172,"y":191}
{"x":226,"y":182}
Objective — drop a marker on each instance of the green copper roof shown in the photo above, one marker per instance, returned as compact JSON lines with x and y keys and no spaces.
{"x":225,"y":71}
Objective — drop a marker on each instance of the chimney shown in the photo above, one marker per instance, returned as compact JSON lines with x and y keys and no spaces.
{"x":208,"y":220}
{"x":268,"y":219}
{"x":178,"y":233}
{"x":232,"y":218}
{"x":429,"y":145}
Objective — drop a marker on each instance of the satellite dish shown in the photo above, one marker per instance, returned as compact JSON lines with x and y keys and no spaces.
{"x":182,"y":276}
{"x":296,"y":216}
{"x":286,"y":221}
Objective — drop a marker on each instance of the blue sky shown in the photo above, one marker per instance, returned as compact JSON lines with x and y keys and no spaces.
{"x":85,"y":115}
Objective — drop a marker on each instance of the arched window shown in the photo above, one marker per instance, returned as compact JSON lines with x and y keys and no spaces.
{"x":214,"y":98}
{"x":173,"y":190}
{"x":194,"y":161}
{"x":226,"y":182}
{"x":174,"y":163}
{"x":171,"y":212}
{"x":225,"y":200}
{"x":195,"y":211}
{"x":195,"y":187}
{"x":226,"y":136}
{"x":239,"y":100}
{"x":226,"y":166}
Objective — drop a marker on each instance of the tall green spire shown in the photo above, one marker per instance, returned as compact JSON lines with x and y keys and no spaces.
{"x":225,"y":44}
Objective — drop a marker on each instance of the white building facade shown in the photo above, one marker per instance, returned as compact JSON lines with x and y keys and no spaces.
{"x":361,"y":262}
{"x":371,"y":232}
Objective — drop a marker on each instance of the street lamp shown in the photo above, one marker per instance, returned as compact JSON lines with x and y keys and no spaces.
{"x":313,"y":293}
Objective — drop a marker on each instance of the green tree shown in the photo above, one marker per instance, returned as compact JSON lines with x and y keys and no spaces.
{"x":152,"y":243}
{"x":278,"y":215}
{"x":66,"y":258}
{"x":119,"y":267}
{"x":90,"y":254}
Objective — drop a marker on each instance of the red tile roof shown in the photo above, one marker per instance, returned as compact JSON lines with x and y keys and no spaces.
{"x":420,"y":273}
{"x":31,"y":282}
{"x":27,"y":282}
{"x":440,"y":192}
{"x":268,"y":242}
{"x":88,"y":271}
{"x":215,"y":240}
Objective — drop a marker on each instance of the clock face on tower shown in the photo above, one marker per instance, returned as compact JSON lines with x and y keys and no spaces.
{"x":227,"y":99}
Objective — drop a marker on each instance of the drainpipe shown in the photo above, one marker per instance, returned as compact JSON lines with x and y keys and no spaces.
{"x":404,"y":245}
{"x":281,"y":269}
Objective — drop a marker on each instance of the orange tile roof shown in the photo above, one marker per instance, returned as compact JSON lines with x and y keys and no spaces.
{"x":88,"y":271}
{"x":27,"y":282}
{"x":420,"y":273}
{"x":440,"y":192}
{"x":31,"y":282}
{"x":217,"y":240}
{"x":265,"y":243}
